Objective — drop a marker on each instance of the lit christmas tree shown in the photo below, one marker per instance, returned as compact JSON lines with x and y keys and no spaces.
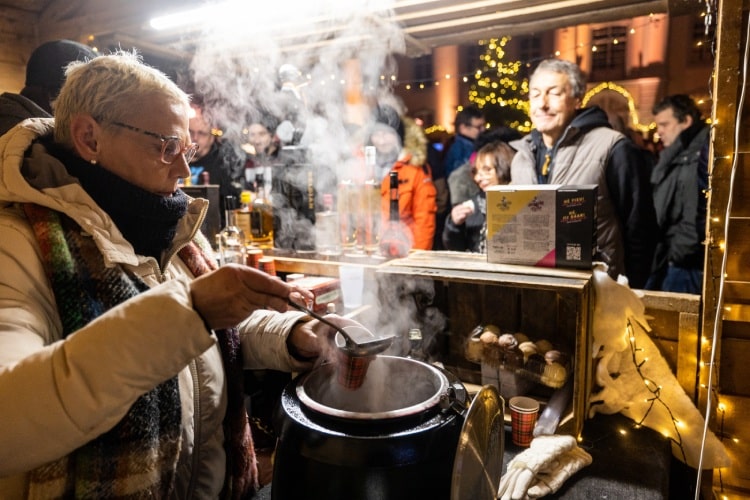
{"x":499,"y":89}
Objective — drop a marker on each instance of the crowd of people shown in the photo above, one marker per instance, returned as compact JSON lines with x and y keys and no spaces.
{"x":651,"y":207}
{"x":123,"y":339}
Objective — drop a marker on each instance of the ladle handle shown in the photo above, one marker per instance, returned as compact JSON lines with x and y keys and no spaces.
{"x":322,"y":319}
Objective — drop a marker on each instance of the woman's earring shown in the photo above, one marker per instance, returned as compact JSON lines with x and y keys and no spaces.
{"x":92,"y":161}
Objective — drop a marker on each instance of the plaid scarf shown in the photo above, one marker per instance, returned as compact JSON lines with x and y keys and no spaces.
{"x":138,"y":457}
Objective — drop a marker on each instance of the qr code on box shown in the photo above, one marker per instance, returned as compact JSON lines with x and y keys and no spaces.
{"x":573,"y":252}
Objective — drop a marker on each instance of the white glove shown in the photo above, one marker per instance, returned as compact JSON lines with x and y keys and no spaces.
{"x":549,"y":479}
{"x":522,"y":470}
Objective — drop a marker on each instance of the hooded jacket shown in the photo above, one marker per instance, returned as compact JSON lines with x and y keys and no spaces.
{"x":590,"y":152}
{"x":15,"y":108}
{"x":60,"y":394}
{"x":678,"y":179}
{"x":416,"y":192}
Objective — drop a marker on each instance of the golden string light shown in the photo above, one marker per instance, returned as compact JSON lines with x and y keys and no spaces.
{"x":634,"y":121}
{"x":655,"y":391}
{"x":409,"y":84}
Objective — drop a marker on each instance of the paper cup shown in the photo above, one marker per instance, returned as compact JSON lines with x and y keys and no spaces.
{"x":352,"y":279}
{"x":523,"y":415}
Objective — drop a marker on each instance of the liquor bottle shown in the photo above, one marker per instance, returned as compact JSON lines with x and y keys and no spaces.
{"x":347,"y":199}
{"x":396,"y":239}
{"x":231,"y":237}
{"x":261,"y":216}
{"x":371,"y":200}
{"x":242,"y":215}
{"x":415,"y":345}
{"x":327,"y":224}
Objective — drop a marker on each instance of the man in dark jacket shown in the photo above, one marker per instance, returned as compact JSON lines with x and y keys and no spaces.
{"x":679,"y":181}
{"x":571,"y":145}
{"x":469,"y":124}
{"x":216,"y":161}
{"x":45,"y":75}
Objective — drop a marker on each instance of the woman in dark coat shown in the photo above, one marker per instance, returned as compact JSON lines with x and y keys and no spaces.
{"x":466,"y":226}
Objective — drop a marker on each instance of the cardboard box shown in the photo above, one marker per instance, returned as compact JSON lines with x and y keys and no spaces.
{"x":544,"y":225}
{"x":326,"y":290}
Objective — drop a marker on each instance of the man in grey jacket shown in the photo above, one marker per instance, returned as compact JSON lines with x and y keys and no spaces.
{"x":574,"y":145}
{"x":679,"y":180}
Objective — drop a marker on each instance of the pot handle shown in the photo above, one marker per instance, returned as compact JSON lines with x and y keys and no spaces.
{"x":454,"y":399}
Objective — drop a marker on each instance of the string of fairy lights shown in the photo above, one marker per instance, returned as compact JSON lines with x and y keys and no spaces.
{"x":499,"y":83}
{"x":708,"y":347}
{"x":639,"y":358}
{"x":416,"y":84}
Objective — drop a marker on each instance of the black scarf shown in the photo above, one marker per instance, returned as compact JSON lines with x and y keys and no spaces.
{"x":147,"y":220}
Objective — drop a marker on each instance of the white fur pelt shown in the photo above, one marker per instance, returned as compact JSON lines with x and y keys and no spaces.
{"x":623,"y":387}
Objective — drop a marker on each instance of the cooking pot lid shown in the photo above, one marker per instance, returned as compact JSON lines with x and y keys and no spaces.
{"x":479,"y":457}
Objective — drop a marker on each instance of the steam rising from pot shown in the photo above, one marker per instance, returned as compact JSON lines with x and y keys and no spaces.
{"x":317,"y":66}
{"x":318,"y":69}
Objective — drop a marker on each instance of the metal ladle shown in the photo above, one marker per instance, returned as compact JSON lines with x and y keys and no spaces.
{"x":359,"y":341}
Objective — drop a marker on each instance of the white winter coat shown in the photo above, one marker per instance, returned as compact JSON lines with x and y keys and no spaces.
{"x":59,"y":394}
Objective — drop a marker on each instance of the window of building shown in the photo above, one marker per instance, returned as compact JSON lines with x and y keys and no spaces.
{"x":609,"y":48}
{"x":423,"y":71}
{"x":473,"y":58}
{"x":529,"y":53}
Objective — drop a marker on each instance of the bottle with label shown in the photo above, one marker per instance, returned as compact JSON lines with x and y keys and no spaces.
{"x":371,"y":201}
{"x":242,"y":215}
{"x":346,"y":198}
{"x":327,"y":227}
{"x":415,"y":345}
{"x":261,"y":216}
{"x":396,"y":239}
{"x":231,"y":238}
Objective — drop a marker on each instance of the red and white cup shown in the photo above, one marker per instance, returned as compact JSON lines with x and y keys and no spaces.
{"x":523,"y":415}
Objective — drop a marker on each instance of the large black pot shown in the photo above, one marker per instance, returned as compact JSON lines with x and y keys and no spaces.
{"x":393,"y":438}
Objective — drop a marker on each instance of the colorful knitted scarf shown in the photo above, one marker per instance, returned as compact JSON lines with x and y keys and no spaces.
{"x":138,"y":457}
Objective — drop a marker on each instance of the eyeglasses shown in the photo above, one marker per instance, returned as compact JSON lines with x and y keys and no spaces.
{"x":485,"y":171}
{"x":171,"y":146}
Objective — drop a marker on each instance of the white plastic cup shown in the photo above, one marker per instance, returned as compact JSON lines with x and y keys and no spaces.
{"x":352,"y":280}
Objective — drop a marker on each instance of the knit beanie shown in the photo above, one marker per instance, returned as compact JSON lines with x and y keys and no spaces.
{"x":388,"y":116}
{"x":46,"y":66}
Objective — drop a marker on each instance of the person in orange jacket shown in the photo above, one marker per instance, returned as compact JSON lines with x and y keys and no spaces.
{"x":402,"y":146}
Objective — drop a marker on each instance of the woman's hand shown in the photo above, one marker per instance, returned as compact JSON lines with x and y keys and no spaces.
{"x":460,"y":212}
{"x":230,"y":294}
{"x":311,"y":339}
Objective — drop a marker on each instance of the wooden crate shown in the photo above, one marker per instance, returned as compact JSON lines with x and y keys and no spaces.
{"x":543,"y":303}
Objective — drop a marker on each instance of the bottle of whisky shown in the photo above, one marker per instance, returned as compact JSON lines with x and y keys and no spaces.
{"x":231,"y":238}
{"x":242,"y":215}
{"x":371,"y":201}
{"x":261,"y":216}
{"x":396,"y":239}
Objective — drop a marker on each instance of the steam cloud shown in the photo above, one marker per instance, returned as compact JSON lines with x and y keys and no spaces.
{"x":340,"y":48}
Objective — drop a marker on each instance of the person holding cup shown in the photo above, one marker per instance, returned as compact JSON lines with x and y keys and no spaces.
{"x":122,"y":345}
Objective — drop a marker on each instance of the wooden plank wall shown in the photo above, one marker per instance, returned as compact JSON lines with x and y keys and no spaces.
{"x":18,"y":39}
